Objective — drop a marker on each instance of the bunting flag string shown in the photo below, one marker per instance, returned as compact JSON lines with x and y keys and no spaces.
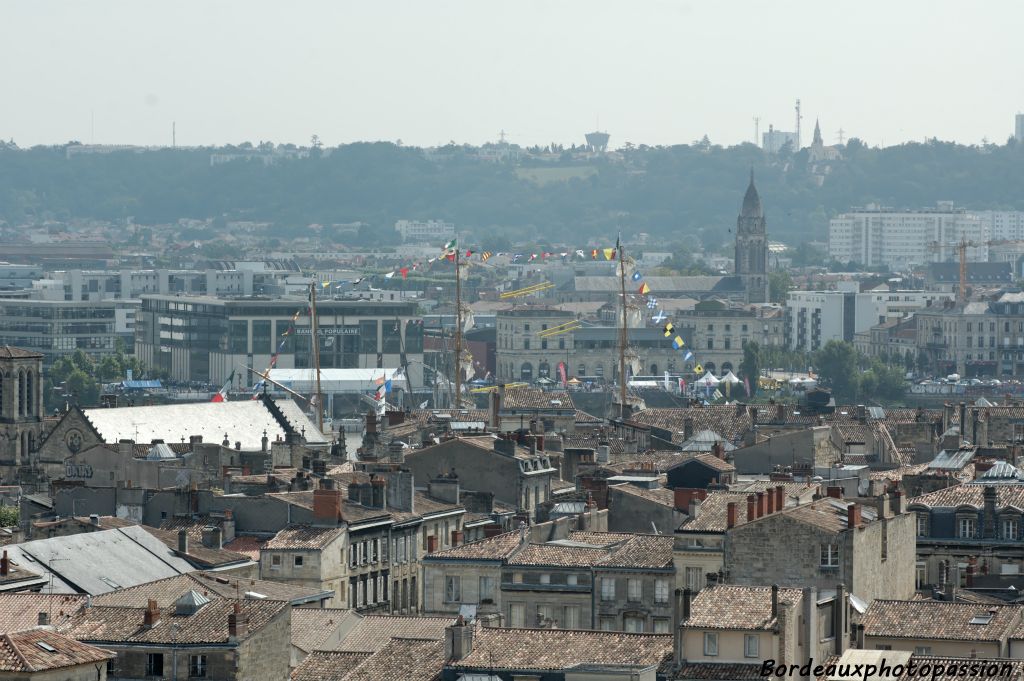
{"x":451,"y":250}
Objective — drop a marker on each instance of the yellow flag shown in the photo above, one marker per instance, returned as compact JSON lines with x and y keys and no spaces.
{"x":698,"y":369}
{"x":609,"y":253}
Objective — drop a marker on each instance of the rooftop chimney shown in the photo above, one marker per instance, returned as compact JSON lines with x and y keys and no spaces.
{"x":151,"y":617}
{"x":182,"y":541}
{"x":94,"y":519}
{"x":896,"y":502}
{"x":770,"y":501}
{"x":5,"y":565}
{"x":834,"y":491}
{"x":730,"y":515}
{"x":853,"y":516}
{"x":780,"y":498}
{"x":326,"y":506}
{"x":43,"y":619}
{"x":761,"y":506}
{"x":458,"y":640}
{"x":238,"y":623}
{"x":751,"y":507}
{"x":775,"y":601}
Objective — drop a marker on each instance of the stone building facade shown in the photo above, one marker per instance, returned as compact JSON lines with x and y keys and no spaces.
{"x":868,"y":549}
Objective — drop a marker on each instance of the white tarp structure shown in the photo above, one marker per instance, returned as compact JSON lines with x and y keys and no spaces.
{"x":730,"y":378}
{"x":352,"y":381}
{"x":707,"y":380}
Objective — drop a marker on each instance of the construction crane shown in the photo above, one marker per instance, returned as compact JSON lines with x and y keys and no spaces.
{"x":961,"y":248}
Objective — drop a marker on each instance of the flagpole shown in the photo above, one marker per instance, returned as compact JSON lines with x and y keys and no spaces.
{"x":623,"y":337}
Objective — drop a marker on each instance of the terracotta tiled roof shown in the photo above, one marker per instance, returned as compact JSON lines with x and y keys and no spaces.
{"x":558,"y":556}
{"x":208,"y":625}
{"x":209,"y":584}
{"x":650,"y":551}
{"x":21,"y":610}
{"x":942,"y":620}
{"x":525,"y":397}
{"x":23,"y":652}
{"x":402,"y":660}
{"x":203,"y":556}
{"x":557,"y":649}
{"x":583,"y":418}
{"x":713,"y":511}
{"x":304,"y":537}
{"x":328,"y":665}
{"x":498,"y":547}
{"x":716,"y":671}
{"x":722,"y":420}
{"x":738,"y":607}
{"x":709,"y":460}
{"x":599,"y":538}
{"x":312,"y":626}
{"x":11,"y":352}
{"x":660,"y":495}
{"x":373,"y":631}
{"x":972,"y":494}
{"x":247,"y":546}
{"x":826,"y":514}
{"x":896,"y":474}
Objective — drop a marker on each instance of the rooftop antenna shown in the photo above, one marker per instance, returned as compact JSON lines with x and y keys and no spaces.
{"x":798,"y":117}
{"x":841,"y":135}
{"x":501,"y":136}
{"x":757,"y":130}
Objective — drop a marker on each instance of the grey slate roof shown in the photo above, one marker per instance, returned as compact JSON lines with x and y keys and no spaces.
{"x":100,"y":562}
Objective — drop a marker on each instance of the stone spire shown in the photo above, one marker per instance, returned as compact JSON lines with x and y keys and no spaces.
{"x":817,"y":141}
{"x":751,"y":201}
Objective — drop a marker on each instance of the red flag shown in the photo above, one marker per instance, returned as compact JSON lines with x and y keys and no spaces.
{"x":451,"y":257}
{"x":405,"y":272}
{"x":218,"y":397}
{"x":593,"y":254}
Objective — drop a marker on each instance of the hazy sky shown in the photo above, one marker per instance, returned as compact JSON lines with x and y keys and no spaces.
{"x":429,"y":71}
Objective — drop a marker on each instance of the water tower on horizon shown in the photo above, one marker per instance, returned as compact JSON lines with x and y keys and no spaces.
{"x":597,"y":141}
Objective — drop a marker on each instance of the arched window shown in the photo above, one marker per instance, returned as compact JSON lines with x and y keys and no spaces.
{"x":654,"y":370}
{"x":599,"y":371}
{"x":20,"y":397}
{"x":526,"y":372}
{"x":710,"y":366}
{"x":582,"y":370}
{"x":726,"y":367}
{"x":29,"y":394}
{"x":543,"y":370}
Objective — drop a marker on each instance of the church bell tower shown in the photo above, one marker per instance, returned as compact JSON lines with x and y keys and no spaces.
{"x":21,"y":407}
{"x":752,"y":246}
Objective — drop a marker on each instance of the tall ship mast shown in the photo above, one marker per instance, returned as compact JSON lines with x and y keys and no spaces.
{"x":315,"y":349}
{"x":623,"y":330}
{"x":458,"y":331}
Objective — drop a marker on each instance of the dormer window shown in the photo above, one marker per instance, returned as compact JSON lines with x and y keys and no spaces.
{"x":1009,"y":528}
{"x":967,"y":527}
{"x":922,"y":524}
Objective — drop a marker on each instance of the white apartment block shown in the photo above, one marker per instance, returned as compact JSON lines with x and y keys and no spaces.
{"x":431,"y":230}
{"x":813,"y":318}
{"x":882,"y":236}
{"x":1003,"y":225}
{"x":882,"y":304}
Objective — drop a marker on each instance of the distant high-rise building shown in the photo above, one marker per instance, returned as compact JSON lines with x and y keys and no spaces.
{"x":752,"y":246}
{"x":1018,"y":131}
{"x":875,"y":235}
{"x":774,"y":140}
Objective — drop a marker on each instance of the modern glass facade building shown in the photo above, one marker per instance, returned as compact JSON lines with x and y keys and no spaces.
{"x":204,"y":339}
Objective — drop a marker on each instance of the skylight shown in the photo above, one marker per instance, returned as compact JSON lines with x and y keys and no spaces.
{"x":983,"y":618}
{"x":46,"y":646}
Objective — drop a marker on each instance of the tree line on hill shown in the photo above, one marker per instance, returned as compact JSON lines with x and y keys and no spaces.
{"x":679,"y":193}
